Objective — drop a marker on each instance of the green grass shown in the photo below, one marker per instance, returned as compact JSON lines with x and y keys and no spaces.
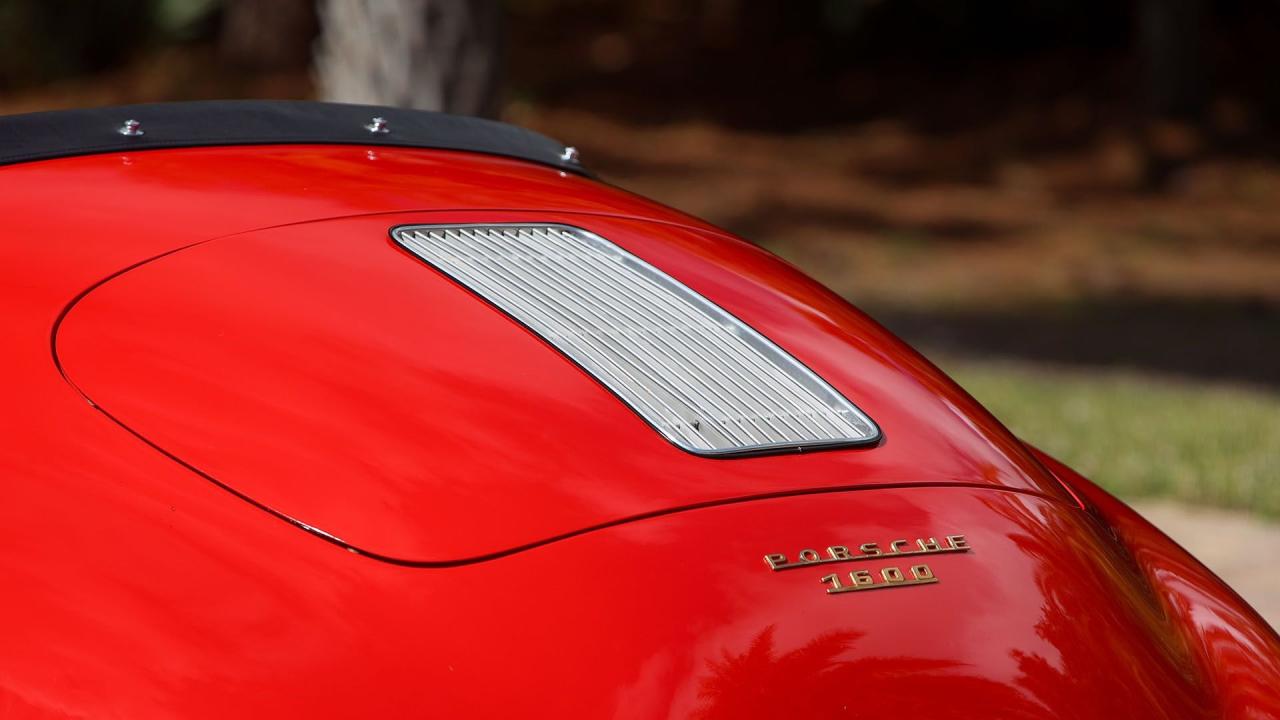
{"x":1141,"y":436}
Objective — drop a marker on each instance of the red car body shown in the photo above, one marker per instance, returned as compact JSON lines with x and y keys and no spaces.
{"x":260,"y":461}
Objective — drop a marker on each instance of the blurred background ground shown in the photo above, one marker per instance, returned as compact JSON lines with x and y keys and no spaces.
{"x":1071,"y":206}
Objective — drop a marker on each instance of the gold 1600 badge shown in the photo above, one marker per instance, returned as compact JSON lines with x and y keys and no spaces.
{"x":911,"y":573}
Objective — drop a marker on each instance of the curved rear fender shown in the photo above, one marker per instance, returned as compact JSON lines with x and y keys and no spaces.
{"x":1239,"y":653}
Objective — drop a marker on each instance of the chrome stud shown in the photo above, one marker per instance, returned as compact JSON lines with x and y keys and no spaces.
{"x":378,"y":125}
{"x":131,"y":128}
{"x":569,"y":155}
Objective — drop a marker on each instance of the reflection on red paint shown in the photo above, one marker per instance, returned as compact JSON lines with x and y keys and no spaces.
{"x":630,"y":584}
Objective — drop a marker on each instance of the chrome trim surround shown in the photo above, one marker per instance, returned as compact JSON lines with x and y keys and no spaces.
{"x":702,"y":378}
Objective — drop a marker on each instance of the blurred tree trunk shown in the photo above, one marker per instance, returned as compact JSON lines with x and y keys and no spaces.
{"x":427,"y":54}
{"x":267,"y":34}
{"x":1171,"y":43}
{"x":1171,"y":38}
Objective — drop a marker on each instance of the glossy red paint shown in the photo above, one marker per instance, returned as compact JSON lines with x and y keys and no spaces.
{"x":417,"y":423}
{"x":136,"y":588}
{"x":1235,"y":649}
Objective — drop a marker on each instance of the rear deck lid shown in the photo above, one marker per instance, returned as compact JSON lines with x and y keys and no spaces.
{"x":370,"y":385}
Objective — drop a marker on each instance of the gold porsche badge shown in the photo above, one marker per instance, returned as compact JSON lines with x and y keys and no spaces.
{"x":916,"y":573}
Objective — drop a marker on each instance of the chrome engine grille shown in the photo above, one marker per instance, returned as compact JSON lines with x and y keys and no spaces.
{"x":704,"y":379}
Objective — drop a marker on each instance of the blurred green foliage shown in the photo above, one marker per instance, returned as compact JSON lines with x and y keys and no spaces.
{"x":185,"y":19}
{"x":1141,"y":436}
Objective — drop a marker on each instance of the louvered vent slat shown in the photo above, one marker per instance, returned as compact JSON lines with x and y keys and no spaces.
{"x":704,"y":379}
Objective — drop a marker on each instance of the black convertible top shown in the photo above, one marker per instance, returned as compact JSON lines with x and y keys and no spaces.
{"x":63,"y":133}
